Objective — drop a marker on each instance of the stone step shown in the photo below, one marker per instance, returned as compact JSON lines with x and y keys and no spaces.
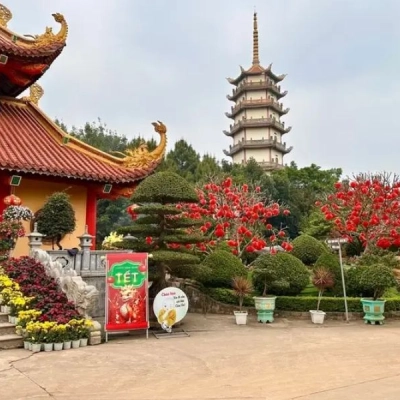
{"x":6,"y":329}
{"x":3,"y":317}
{"x":11,"y":341}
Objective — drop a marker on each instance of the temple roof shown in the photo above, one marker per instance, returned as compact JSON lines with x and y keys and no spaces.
{"x":31,"y":143}
{"x":24,"y":59}
{"x":256,"y":68}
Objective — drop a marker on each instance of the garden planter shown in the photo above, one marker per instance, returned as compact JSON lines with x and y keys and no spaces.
{"x":83,"y":342}
{"x":241,"y":317}
{"x":26,"y":345}
{"x":30,"y":346}
{"x":48,"y":347}
{"x":265,"y":307}
{"x":76,"y":344}
{"x":36,"y":347}
{"x":373,"y":310}
{"x":6,"y":309}
{"x":317,"y":317}
{"x":67,"y":345}
{"x":58,"y":346}
{"x":2,"y":308}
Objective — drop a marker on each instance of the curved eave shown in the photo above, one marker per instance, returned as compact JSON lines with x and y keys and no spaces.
{"x":254,"y":70}
{"x":227,"y":133}
{"x":278,"y":110}
{"x":227,"y":153}
{"x":244,"y":88}
{"x":276,"y":78}
{"x":14,"y":45}
{"x":279,"y":147}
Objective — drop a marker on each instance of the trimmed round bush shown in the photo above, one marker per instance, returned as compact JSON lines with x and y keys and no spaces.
{"x":287,"y":275}
{"x":219,"y":268}
{"x":331,"y":262}
{"x":377,"y":278}
{"x":307,"y":249}
{"x":153,"y":189}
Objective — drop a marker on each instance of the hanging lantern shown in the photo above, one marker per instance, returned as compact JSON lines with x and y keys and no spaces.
{"x":131,"y":210}
{"x":12,"y":200}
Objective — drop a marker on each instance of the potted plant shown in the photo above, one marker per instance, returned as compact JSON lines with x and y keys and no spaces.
{"x":74,"y":333}
{"x":322,"y":280}
{"x":264,"y":273}
{"x":377,"y":279}
{"x":59,"y":331}
{"x":241,"y":287}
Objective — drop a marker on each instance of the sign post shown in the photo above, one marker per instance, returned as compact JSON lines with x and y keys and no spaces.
{"x":127,"y":300}
{"x":170,"y":306}
{"x":336,"y":244}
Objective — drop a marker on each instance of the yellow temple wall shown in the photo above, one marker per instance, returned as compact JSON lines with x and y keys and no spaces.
{"x":34,"y":192}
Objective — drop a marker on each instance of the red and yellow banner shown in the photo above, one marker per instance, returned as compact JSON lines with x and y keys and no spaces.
{"x":127,"y":292}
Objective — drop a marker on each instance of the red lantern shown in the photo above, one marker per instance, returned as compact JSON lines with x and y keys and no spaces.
{"x":12,"y":200}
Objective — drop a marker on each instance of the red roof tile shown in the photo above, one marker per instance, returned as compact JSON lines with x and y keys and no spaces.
{"x":28,"y":145}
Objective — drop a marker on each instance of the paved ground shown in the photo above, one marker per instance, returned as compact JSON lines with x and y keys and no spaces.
{"x":284,"y":360}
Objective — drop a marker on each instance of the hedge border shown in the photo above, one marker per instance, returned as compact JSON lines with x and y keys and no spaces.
{"x":302,"y":304}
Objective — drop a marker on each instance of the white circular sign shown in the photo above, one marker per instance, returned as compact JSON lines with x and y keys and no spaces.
{"x":170,"y":306}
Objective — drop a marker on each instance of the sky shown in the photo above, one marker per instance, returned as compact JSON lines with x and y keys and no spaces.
{"x":130,"y":62}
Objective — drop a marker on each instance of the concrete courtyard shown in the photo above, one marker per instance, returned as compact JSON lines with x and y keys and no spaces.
{"x":284,"y":360}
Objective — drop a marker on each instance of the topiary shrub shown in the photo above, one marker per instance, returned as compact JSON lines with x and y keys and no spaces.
{"x":307,"y":249}
{"x":377,"y":278}
{"x":353,"y":283}
{"x":285,"y":274}
{"x":219,"y":268}
{"x":331,"y":262}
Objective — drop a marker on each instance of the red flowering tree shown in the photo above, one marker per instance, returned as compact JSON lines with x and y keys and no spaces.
{"x":236,"y":215}
{"x":368,"y":208}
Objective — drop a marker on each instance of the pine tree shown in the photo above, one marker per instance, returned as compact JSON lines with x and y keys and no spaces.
{"x":56,"y":218}
{"x":160,"y":227}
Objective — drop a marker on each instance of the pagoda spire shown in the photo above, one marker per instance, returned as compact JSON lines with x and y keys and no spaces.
{"x":256,"y":59}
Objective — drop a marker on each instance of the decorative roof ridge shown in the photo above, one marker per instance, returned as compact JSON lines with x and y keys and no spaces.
{"x":34,"y":41}
{"x":133,"y":158}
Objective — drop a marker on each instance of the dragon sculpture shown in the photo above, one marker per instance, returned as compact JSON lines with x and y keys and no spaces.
{"x":49,"y":37}
{"x":35,"y":94}
{"x":5,"y":16}
{"x":141,"y":157}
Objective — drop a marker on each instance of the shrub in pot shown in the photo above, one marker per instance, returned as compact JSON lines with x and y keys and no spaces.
{"x":281,"y":274}
{"x":241,"y":287}
{"x":331,"y":263}
{"x":322,"y":279}
{"x":377,"y":279}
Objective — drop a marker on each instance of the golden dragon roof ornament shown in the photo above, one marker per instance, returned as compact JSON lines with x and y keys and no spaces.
{"x":5,"y":16}
{"x":35,"y":41}
{"x":36,"y":92}
{"x":141,"y":157}
{"x":48,"y":37}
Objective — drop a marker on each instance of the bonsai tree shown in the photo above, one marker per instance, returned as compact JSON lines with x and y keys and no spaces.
{"x":377,"y":279}
{"x":159,"y":227}
{"x":57,"y":218}
{"x":241,"y":287}
{"x":322,"y":279}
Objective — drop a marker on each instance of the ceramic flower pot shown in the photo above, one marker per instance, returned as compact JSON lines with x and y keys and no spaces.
{"x":30,"y":346}
{"x":317,"y":317}
{"x":373,"y":311}
{"x":241,"y":317}
{"x":67,"y":345}
{"x":36,"y":347}
{"x":76,"y":344}
{"x":58,"y":346}
{"x":48,"y":347}
{"x":83,"y":342}
{"x":26,"y":345}
{"x":265,"y":307}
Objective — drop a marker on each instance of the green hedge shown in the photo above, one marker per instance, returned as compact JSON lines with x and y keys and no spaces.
{"x":302,"y":304}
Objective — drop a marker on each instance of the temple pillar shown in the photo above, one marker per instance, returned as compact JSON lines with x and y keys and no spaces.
{"x":91,"y":215}
{"x":5,"y":190}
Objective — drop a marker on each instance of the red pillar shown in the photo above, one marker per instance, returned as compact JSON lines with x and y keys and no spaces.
{"x":5,"y":190}
{"x":91,"y":215}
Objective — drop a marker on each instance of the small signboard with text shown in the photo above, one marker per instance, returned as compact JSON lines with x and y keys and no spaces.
{"x":127,"y":292}
{"x":170,"y":306}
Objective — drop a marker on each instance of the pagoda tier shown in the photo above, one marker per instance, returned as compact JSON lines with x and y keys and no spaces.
{"x":258,"y":123}
{"x":257,"y":130}
{"x":24,"y":59}
{"x":258,"y":144}
{"x":260,"y":103}
{"x":31,"y":144}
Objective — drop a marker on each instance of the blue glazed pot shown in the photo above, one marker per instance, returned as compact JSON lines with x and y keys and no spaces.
{"x":265,"y":307}
{"x":373,"y":310}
